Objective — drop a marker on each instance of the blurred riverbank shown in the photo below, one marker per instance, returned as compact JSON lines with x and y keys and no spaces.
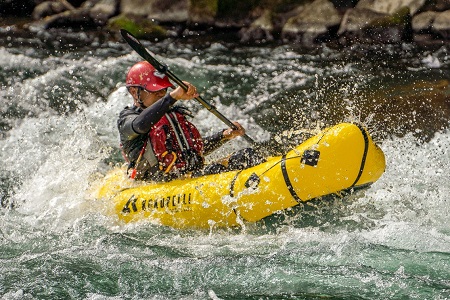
{"x":304,"y":23}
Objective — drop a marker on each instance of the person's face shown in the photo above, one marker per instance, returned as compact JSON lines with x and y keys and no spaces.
{"x":147,"y":97}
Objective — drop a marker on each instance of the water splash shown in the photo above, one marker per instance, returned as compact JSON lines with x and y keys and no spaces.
{"x":390,"y":241}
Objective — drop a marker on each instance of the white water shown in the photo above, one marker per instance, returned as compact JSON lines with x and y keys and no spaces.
{"x":390,"y":241}
{"x":57,"y":157}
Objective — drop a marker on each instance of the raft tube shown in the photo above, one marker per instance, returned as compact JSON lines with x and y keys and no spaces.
{"x":338,"y":159}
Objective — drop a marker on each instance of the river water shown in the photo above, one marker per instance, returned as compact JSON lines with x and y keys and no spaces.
{"x":58,"y":137}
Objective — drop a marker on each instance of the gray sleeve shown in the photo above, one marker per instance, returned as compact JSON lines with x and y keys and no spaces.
{"x":126,"y":129}
{"x":213,"y":142}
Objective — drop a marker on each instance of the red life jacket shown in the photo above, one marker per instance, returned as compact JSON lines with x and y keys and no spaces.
{"x":176,"y":143}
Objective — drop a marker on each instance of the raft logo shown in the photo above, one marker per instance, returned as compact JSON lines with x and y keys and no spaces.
{"x":175,"y":203}
{"x":131,"y":202}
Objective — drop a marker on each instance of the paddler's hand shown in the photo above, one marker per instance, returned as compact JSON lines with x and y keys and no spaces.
{"x":230,"y":133}
{"x":180,"y":94}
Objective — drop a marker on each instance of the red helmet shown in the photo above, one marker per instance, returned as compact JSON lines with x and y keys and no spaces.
{"x":144,"y":75}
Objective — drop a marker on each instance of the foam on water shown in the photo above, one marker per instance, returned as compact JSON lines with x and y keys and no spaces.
{"x":391,"y":240}
{"x":416,"y":185}
{"x":54,"y":159}
{"x":273,"y":259}
{"x":49,"y":151}
{"x":57,"y":156}
{"x":48,"y":143}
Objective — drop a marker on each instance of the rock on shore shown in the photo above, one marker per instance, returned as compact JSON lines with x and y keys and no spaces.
{"x":305,"y":22}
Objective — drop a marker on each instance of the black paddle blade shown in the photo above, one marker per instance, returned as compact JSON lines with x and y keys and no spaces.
{"x":141,"y":50}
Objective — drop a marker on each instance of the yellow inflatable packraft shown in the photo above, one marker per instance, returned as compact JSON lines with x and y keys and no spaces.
{"x":339,"y":158}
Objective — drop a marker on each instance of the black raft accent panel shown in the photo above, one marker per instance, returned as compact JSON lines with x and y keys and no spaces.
{"x":310,"y":157}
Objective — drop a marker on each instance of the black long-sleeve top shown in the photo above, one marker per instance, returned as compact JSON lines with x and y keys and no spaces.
{"x":134,"y":123}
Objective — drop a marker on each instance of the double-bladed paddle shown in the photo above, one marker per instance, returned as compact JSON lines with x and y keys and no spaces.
{"x":142,"y":51}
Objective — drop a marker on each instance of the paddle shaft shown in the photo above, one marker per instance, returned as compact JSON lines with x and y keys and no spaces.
{"x":142,"y":51}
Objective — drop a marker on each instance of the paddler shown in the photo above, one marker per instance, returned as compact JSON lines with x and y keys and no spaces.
{"x":156,"y":138}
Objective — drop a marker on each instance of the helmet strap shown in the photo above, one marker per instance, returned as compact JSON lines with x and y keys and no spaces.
{"x":139,"y":98}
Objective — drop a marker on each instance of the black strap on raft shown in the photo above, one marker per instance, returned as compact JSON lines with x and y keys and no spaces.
{"x":233,"y":182}
{"x":366,"y":148}
{"x":285,"y":177}
{"x":287,"y":181}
